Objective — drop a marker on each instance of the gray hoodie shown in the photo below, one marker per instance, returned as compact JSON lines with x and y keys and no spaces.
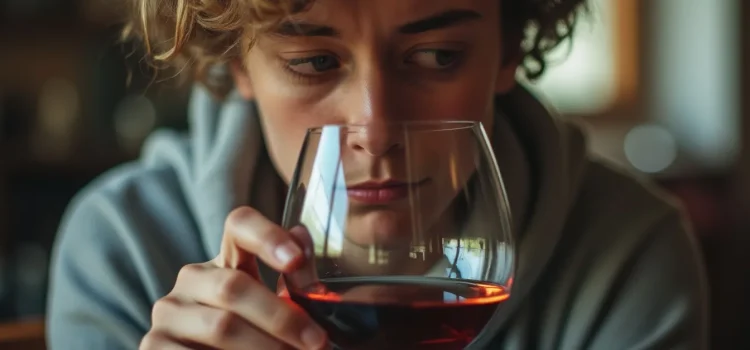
{"x":605,"y":260}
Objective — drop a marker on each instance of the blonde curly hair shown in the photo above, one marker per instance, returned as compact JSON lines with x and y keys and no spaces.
{"x":194,"y":35}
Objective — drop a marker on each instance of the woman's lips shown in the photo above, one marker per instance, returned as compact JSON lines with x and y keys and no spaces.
{"x":381,"y":192}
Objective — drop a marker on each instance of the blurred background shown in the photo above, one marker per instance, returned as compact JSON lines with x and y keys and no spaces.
{"x":657,"y":83}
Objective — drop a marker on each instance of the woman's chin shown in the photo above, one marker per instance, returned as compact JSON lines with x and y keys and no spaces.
{"x":381,"y":228}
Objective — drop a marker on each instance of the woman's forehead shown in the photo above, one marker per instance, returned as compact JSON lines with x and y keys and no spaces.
{"x":357,"y":14}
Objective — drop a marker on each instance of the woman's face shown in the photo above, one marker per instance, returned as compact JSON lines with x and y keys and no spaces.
{"x":364,"y":61}
{"x":368,"y":62}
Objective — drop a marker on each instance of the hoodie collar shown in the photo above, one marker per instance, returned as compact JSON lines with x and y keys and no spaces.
{"x":556,"y":153}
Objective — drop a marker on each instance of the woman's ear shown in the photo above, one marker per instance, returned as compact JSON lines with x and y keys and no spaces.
{"x":241,"y":79}
{"x":512,"y":55}
{"x":506,"y":75}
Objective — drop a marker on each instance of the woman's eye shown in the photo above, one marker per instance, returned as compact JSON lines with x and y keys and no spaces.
{"x":313,"y":65}
{"x":434,"y":59}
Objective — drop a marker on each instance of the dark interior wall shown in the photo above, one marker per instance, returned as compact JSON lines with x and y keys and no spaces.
{"x":730,"y":256}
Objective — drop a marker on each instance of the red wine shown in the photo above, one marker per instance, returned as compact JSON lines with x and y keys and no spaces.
{"x":401,"y":312}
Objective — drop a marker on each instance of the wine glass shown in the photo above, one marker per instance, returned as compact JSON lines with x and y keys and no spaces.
{"x":407,"y":229}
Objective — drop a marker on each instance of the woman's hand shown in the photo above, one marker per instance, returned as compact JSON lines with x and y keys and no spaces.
{"x":223,"y":304}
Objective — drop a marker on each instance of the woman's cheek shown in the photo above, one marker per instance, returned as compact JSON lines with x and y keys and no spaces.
{"x":285,"y":124}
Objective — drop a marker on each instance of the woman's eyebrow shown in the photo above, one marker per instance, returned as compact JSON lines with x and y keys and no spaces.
{"x":299,"y":28}
{"x":438,"y":21}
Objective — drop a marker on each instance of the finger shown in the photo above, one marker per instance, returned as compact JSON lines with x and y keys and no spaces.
{"x":248,"y":298}
{"x":209,"y":327}
{"x":191,"y":275}
{"x":304,"y":240}
{"x":306,"y":273}
{"x":248,"y":231}
{"x":156,"y":340}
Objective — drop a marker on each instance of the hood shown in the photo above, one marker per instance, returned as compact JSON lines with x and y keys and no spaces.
{"x":223,"y":164}
{"x":557,"y":156}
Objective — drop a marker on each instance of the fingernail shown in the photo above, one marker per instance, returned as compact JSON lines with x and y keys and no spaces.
{"x":287,"y":252}
{"x":313,"y":338}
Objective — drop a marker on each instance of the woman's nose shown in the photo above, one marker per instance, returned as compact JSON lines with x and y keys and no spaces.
{"x":372,"y":110}
{"x":377,"y":138}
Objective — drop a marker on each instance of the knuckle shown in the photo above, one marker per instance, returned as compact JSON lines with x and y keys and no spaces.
{"x":162,"y":309}
{"x":238,"y":216}
{"x":231,"y":286}
{"x":221,"y":324}
{"x":283,"y":321}
{"x":152,"y":341}
{"x":188,"y":271}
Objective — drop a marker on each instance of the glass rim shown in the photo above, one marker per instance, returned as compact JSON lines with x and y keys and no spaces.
{"x":422,"y":125}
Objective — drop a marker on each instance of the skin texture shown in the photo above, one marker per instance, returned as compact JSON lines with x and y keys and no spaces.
{"x":368,"y":74}
{"x":382,"y":75}
{"x":366,"y":71}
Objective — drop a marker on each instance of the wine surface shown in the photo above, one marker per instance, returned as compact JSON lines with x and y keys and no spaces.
{"x":401,"y":312}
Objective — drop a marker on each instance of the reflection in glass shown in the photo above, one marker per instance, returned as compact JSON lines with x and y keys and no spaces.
{"x":409,"y":224}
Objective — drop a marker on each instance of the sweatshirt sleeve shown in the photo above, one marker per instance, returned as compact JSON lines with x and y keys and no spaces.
{"x":95,"y":299}
{"x":659,"y":300}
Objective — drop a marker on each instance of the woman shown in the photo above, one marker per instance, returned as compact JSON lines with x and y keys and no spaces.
{"x":161,"y":253}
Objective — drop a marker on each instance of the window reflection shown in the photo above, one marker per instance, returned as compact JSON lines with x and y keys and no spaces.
{"x":325,"y":209}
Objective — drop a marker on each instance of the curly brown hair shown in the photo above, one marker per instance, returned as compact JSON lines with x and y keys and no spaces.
{"x":198,"y":34}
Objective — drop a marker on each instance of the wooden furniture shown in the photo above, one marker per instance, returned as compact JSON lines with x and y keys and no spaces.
{"x":23,"y":335}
